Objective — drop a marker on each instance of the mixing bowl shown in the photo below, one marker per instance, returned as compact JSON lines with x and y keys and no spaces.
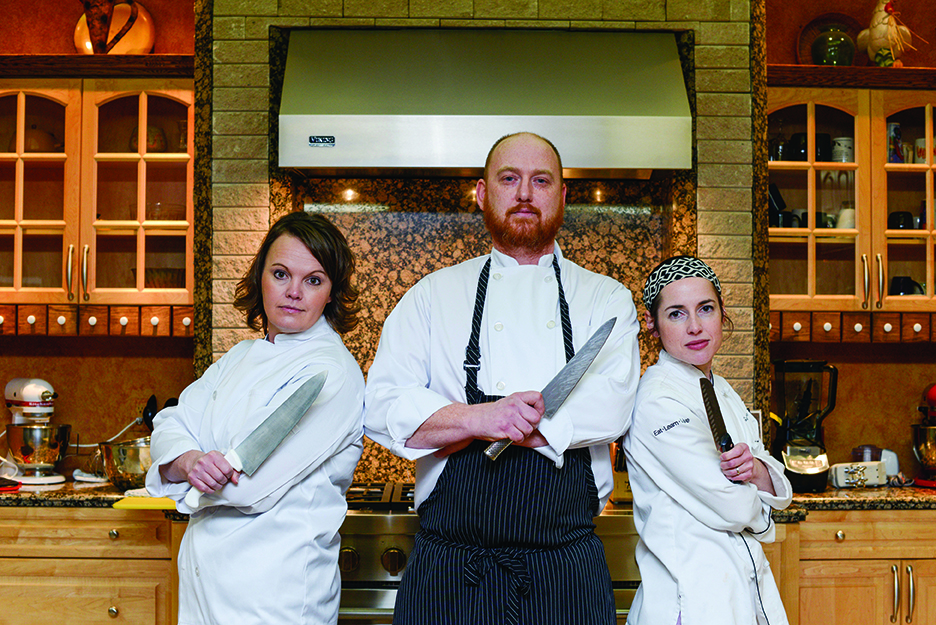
{"x":924,"y":447}
{"x":37,"y":448}
{"x":126,"y":462}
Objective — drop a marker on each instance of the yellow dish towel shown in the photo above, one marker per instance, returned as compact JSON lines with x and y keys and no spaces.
{"x":145,"y":503}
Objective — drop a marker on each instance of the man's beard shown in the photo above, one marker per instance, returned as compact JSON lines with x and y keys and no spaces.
{"x":526,"y":234}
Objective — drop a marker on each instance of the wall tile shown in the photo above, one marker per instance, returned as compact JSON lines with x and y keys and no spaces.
{"x":710,"y":33}
{"x":441,"y":8}
{"x":722,"y":223}
{"x":711,"y":127}
{"x":702,"y":10}
{"x":637,"y":10}
{"x":223,"y":291}
{"x":724,"y":151}
{"x":242,"y":75}
{"x":376,"y":8}
{"x":252,"y":51}
{"x":723,"y":80}
{"x":222,"y":8}
{"x":256,"y":219}
{"x":725,"y":175}
{"x":732,"y":270}
{"x":241,"y":99}
{"x":724,"y":246}
{"x":520,"y":9}
{"x":724,"y":199}
{"x":240,"y":122}
{"x":239,"y":146}
{"x":313,"y":8}
{"x":237,"y":243}
{"x":719,"y":104}
{"x":230,"y":267}
{"x":570,"y":9}
{"x":239,"y":170}
{"x":259,"y":27}
{"x":722,"y":57}
{"x":241,"y":195}
{"x":228,"y":27}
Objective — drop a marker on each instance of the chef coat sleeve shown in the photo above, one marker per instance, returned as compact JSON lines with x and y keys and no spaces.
{"x":398,"y":400}
{"x":599,"y":408}
{"x":673,"y":446}
{"x":332,"y":423}
{"x":175,"y":428}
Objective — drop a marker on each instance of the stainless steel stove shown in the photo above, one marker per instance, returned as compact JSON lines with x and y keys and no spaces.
{"x":377,"y":538}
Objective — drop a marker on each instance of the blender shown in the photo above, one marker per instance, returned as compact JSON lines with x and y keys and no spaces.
{"x":924,"y":440}
{"x":35,"y":445}
{"x":803,"y":395}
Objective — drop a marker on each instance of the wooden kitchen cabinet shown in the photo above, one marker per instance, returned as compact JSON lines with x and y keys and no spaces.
{"x":858,"y":567}
{"x":85,"y":565}
{"x":89,"y":212}
{"x":837,"y":259}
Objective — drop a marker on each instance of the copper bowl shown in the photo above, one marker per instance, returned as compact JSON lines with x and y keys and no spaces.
{"x":126,"y":462}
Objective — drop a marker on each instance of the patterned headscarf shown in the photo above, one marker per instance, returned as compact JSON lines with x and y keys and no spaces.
{"x":673,"y":269}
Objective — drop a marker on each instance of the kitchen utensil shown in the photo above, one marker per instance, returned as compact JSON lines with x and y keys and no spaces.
{"x":562,"y":384}
{"x":900,"y":220}
{"x":716,"y":422}
{"x":263,"y":441}
{"x":807,"y":468}
{"x":8,"y":485}
{"x":905,"y":285}
{"x":859,"y":474}
{"x":149,"y":411}
{"x":803,"y":394}
{"x":843,"y":150}
{"x":919,"y":150}
{"x":126,"y":462}
{"x":37,"y":448}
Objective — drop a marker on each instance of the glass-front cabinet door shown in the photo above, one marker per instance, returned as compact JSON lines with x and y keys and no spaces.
{"x":819,"y":199}
{"x":137,"y":229}
{"x":902,"y":131}
{"x":96,"y":191}
{"x":40,"y":142}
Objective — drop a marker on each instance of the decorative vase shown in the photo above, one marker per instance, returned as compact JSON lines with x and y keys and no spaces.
{"x":833,"y":46}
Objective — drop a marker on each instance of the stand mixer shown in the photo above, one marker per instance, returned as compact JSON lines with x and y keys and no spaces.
{"x":924,"y":440}
{"x":35,"y":445}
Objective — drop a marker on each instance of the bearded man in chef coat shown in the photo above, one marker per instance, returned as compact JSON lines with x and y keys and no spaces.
{"x":460,"y":363}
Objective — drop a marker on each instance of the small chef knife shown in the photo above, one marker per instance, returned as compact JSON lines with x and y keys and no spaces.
{"x":562,"y":384}
{"x":257,"y":447}
{"x":723,"y":440}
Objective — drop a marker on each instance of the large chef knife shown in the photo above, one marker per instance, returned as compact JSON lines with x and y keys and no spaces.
{"x":257,"y":447}
{"x":716,"y":422}
{"x":562,"y":384}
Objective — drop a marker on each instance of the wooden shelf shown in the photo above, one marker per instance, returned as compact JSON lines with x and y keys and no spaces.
{"x":851,"y":77}
{"x":97,"y":66}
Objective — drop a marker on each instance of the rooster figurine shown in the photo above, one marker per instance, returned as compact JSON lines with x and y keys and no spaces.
{"x":885,"y":39}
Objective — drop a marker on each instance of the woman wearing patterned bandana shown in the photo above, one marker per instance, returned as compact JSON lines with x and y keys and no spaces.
{"x":701,"y":514}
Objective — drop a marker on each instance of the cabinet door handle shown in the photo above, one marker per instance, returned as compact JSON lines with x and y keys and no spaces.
{"x":912,"y":598}
{"x":880,"y":264}
{"x":68,"y":272}
{"x":893,"y":618}
{"x":867,"y":281}
{"x":84,"y":272}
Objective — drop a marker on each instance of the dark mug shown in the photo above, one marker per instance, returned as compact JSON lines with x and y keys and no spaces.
{"x":822,"y":220}
{"x":900,"y":220}
{"x":905,"y":285}
{"x":787,"y":220}
{"x":795,"y":149}
{"x":823,"y":147}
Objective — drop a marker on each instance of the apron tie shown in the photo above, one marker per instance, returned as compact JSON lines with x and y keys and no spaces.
{"x":480,"y":561}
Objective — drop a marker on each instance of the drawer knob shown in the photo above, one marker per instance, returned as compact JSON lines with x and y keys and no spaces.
{"x":917,"y":327}
{"x":61,"y":320}
{"x":1,"y":320}
{"x":155,"y":321}
{"x":186,"y":321}
{"x":124,"y":321}
{"x":858,"y":327}
{"x":839,"y":536}
{"x":888,"y":327}
{"x":113,"y":534}
{"x":113,"y":611}
{"x":827,"y":326}
{"x":797,"y":326}
{"x":31,"y":319}
{"x":92,"y":321}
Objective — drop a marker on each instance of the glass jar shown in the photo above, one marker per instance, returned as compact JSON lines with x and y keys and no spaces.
{"x":833,"y":46}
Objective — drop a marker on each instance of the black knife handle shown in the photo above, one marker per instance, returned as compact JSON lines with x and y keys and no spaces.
{"x":725,"y":443}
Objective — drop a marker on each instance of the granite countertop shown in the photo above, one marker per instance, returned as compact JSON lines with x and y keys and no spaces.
{"x":91,"y":495}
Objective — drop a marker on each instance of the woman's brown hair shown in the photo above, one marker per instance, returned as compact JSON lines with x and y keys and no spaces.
{"x":326,"y":243}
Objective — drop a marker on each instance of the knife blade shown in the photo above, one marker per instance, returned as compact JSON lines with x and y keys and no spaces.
{"x":556,"y":391}
{"x":716,"y":422}
{"x":263,"y":441}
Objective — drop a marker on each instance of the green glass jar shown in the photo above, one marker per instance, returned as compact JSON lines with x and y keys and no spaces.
{"x":833,"y":46}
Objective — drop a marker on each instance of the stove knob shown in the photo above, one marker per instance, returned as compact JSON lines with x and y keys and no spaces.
{"x":393,"y":560}
{"x":348,"y":560}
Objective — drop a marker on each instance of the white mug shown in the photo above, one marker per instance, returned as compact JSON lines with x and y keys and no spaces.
{"x":846,"y":218}
{"x":919,"y":150}
{"x":843,"y":150}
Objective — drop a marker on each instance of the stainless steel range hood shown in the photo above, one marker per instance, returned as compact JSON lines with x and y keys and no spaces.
{"x":416,"y":102}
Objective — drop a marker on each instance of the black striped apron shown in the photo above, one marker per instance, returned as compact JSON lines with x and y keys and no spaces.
{"x":510,"y":542}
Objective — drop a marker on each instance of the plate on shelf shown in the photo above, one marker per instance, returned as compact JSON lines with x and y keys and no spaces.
{"x":812,"y":29}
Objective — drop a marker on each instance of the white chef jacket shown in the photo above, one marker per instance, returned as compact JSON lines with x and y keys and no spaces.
{"x":419,"y":365}
{"x":266,"y":550}
{"x":699,"y":551}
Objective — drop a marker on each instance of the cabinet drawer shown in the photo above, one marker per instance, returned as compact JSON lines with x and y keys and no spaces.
{"x":40,"y":590}
{"x":898,"y":534}
{"x":83,"y":533}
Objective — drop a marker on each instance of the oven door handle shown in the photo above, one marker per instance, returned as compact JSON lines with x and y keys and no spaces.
{"x":363,"y":614}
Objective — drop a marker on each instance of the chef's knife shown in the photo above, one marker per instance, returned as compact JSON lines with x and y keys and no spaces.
{"x":716,"y":422}
{"x":257,"y":447}
{"x":723,"y":440}
{"x":562,"y":384}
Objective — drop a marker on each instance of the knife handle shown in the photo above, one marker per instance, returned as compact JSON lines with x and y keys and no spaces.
{"x":725,"y":443}
{"x":496,"y":448}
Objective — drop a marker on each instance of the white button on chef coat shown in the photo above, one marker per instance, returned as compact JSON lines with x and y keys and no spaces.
{"x":498,"y":326}
{"x":501,"y":386}
{"x":498,"y":276}
{"x":550,"y":324}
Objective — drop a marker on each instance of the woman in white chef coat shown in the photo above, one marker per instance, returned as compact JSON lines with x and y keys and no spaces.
{"x":701,"y":515}
{"x":264,"y":548}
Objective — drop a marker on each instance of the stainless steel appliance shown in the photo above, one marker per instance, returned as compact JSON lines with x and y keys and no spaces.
{"x":35,"y":445}
{"x":377,"y":538}
{"x":924,"y":440}
{"x":803,"y":395}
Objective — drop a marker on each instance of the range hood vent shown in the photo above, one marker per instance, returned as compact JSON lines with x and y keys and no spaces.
{"x":432,"y":102}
